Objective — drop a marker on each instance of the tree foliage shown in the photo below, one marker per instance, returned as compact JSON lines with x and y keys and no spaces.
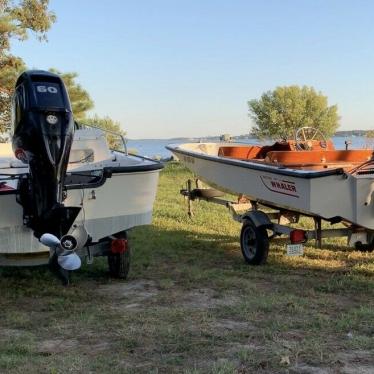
{"x":10,"y":68}
{"x":370,"y":134}
{"x":279,"y":113}
{"x":17,"y":20}
{"x":107,"y":123}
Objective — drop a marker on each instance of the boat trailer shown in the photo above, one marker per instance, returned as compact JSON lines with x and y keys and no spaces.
{"x":257,"y":224}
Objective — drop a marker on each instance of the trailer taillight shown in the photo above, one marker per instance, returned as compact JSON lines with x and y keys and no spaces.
{"x":298,"y":236}
{"x":118,"y":246}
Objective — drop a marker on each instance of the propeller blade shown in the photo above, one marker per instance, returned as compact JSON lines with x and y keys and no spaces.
{"x":50,"y":240}
{"x":69,"y":262}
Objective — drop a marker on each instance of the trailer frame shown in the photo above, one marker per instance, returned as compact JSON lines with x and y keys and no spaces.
{"x":249,"y":213}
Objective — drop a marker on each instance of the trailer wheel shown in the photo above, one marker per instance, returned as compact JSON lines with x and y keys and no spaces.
{"x":364,"y":247}
{"x":254,"y":243}
{"x":119,"y":263}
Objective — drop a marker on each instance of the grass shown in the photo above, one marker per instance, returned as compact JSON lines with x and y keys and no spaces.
{"x":191,"y":304}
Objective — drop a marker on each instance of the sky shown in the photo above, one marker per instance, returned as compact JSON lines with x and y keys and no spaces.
{"x":178,"y":68}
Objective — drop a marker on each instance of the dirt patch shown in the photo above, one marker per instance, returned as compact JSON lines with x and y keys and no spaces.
{"x":54,"y":346}
{"x":357,"y":362}
{"x":308,"y":369}
{"x":133,"y":292}
{"x":228,"y":324}
{"x":206,"y":298}
{"x":11,"y":333}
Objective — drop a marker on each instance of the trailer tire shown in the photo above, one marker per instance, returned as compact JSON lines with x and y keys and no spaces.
{"x":254,"y":243}
{"x":119,"y":263}
{"x":364,"y":247}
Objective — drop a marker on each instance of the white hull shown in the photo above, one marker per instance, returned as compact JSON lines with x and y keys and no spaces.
{"x":325,"y":194}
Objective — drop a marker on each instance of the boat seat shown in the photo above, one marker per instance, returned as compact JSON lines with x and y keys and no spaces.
{"x":89,"y":146}
{"x":240,"y":152}
{"x":250,"y":152}
{"x":319,"y":157}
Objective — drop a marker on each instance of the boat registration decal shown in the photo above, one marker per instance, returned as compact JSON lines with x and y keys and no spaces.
{"x":282,"y":186}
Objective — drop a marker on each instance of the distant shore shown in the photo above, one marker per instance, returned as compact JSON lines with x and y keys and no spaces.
{"x":342,"y":133}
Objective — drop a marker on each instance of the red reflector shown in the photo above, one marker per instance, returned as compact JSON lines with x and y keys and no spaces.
{"x":298,"y":236}
{"x":20,"y":154}
{"x":118,"y":246}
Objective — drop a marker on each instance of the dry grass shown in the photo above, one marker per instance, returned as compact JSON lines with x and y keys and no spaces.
{"x":192,"y":305}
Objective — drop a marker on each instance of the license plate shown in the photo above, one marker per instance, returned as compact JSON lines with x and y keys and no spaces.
{"x":295,"y":249}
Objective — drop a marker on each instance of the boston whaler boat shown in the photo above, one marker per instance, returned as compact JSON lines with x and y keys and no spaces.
{"x":64,"y":194}
{"x":302,"y":176}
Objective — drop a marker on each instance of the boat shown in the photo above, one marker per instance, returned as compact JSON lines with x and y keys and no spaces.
{"x":64,"y":195}
{"x":305,"y":175}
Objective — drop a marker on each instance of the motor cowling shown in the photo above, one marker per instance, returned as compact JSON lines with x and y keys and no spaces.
{"x":43,"y":130}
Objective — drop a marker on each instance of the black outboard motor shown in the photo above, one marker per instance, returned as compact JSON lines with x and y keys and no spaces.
{"x":43,"y":130}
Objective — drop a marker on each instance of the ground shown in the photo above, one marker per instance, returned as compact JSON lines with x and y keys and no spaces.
{"x":192,"y":305}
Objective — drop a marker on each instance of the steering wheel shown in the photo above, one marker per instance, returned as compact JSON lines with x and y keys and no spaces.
{"x":304,"y":137}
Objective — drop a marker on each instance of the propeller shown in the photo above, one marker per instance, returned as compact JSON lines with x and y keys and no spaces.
{"x":70,"y":261}
{"x":50,"y":240}
{"x":66,"y":257}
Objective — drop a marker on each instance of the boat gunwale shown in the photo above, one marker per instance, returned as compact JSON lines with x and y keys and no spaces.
{"x":108,"y":171}
{"x":282,"y":170}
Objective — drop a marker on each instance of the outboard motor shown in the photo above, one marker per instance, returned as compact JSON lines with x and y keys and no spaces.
{"x":43,"y":130}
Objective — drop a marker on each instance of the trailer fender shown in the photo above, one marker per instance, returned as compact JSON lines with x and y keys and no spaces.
{"x":258,"y":218}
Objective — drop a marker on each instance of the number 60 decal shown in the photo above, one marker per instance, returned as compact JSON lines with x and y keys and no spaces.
{"x":44,"y":89}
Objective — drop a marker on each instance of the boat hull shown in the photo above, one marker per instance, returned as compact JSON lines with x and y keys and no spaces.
{"x":331,"y":194}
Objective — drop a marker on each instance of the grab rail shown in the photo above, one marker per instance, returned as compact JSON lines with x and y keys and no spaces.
{"x":123,"y":139}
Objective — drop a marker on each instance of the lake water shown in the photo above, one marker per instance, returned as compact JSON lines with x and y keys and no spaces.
{"x":156,"y":147}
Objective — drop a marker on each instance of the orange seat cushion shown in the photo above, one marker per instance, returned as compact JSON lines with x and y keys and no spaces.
{"x":307,"y":157}
{"x":240,"y":152}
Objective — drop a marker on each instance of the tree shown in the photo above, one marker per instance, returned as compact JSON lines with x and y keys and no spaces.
{"x":17,"y":19}
{"x":10,"y":68}
{"x":369,"y":134}
{"x":80,"y":99}
{"x":107,"y":123}
{"x":279,"y":113}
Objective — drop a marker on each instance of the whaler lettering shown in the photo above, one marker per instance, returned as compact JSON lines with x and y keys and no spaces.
{"x":283,"y":186}
{"x":280,"y":186}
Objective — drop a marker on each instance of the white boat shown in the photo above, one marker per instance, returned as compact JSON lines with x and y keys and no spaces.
{"x":305,"y":176}
{"x":80,"y":202}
